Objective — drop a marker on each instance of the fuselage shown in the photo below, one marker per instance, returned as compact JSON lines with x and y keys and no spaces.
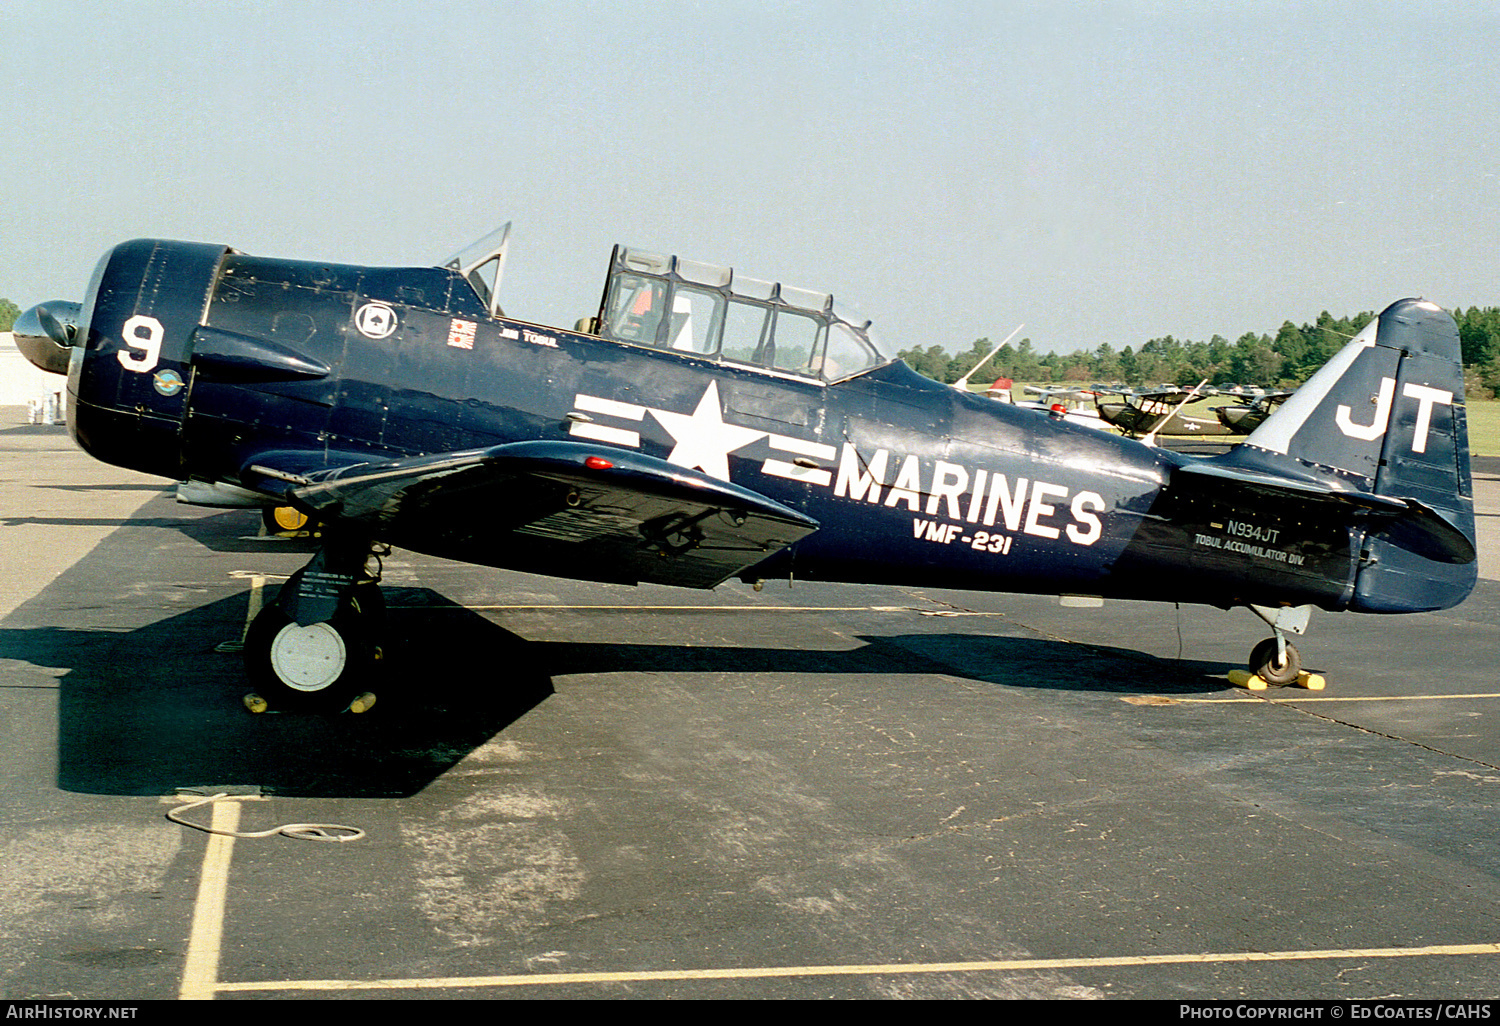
{"x":198,"y":358}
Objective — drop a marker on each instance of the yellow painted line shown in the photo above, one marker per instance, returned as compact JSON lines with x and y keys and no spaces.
{"x":888,"y":969}
{"x":257,"y":592}
{"x":700,"y":609}
{"x":1330,"y":698}
{"x":200,"y":971}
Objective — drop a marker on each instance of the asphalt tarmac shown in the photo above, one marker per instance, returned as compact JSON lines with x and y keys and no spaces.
{"x":583,"y":791}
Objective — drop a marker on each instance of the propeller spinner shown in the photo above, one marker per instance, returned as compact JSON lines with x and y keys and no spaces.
{"x":46,"y":333}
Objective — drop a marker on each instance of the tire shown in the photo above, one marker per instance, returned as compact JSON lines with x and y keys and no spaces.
{"x":317,"y":668}
{"x":1264,"y":665}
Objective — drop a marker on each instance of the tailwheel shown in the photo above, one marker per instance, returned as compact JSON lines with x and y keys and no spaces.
{"x":1267,"y":663}
{"x":317,"y":667}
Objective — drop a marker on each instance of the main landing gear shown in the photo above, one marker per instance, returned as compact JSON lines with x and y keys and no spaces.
{"x":316,"y":648}
{"x":1276,"y":660}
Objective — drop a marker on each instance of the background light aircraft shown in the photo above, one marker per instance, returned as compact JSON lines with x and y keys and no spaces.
{"x":706,"y":425}
{"x":1065,"y":403}
{"x":1139,"y":412}
{"x":1250,"y":412}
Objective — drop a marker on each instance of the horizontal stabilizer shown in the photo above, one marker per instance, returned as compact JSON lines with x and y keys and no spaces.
{"x":1408,"y":523}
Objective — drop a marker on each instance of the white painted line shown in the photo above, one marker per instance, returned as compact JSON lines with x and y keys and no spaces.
{"x":200,"y":971}
{"x":889,"y":969}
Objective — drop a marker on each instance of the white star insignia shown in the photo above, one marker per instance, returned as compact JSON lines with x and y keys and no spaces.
{"x":704,"y":441}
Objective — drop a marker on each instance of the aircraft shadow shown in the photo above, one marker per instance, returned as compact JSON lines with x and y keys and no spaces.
{"x":161,"y":489}
{"x":239,"y":530}
{"x":234,"y":530}
{"x":230,"y":530}
{"x":1013,"y":662}
{"x":111,"y":522}
{"x":60,"y":430}
{"x":152,"y":710}
{"x":156,"y":709}
{"x":1028,"y":662}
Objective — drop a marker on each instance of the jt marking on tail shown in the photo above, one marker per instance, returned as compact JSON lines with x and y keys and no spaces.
{"x":1426,"y":399}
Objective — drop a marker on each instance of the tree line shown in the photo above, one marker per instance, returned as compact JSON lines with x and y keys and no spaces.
{"x":1283,"y":360}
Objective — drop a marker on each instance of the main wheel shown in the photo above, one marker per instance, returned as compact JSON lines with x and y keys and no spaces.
{"x":1265,"y":665}
{"x":320,"y":667}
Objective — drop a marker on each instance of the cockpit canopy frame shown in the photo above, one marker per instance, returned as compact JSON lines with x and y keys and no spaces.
{"x":715,"y":313}
{"x":482,"y":264}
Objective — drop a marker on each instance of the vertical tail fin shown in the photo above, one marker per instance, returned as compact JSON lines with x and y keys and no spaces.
{"x":1384,"y":416}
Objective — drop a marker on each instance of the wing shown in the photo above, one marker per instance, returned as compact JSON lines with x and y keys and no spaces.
{"x":564,"y":509}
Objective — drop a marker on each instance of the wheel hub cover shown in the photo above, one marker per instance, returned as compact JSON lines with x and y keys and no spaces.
{"x":308,"y":658}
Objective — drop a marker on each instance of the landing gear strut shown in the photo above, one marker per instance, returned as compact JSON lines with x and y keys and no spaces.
{"x":317,"y":646}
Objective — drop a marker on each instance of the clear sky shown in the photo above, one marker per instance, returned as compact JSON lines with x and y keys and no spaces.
{"x":1102,"y":170}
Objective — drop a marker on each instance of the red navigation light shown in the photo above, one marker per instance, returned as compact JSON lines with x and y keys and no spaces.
{"x":598,"y":463}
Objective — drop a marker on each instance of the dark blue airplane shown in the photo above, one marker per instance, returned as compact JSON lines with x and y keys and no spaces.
{"x":705,"y":425}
